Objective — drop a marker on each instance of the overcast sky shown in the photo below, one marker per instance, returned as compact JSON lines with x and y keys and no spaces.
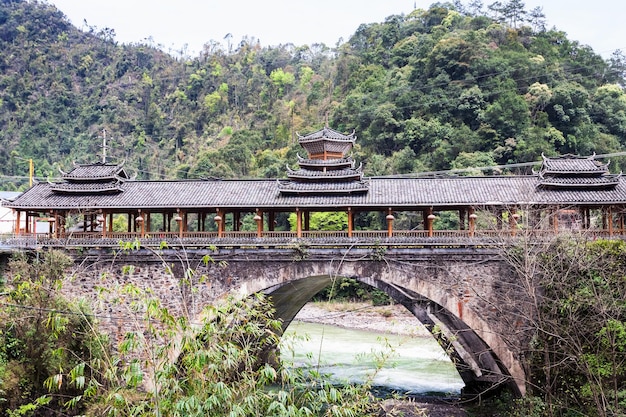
{"x":174,"y":23}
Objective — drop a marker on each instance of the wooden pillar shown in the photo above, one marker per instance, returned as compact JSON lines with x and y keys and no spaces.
{"x":129,"y":227}
{"x":462,"y":213}
{"x":219,"y":220}
{"x":350,"y":221}
{"x":179,"y":221}
{"x":148,"y":223}
{"x":555,"y":220}
{"x":258,"y":218}
{"x":18,"y":216}
{"x":51,"y":226}
{"x":271,"y":220}
{"x":307,"y":220}
{"x":390,"y":220}
{"x":472,"y":221}
{"x":431,"y":219}
{"x":141,"y":224}
{"x":513,"y":216}
{"x":236,"y":219}
{"x":609,"y":219}
{"x":102,"y":217}
{"x":298,"y":222}
{"x":57,"y":225}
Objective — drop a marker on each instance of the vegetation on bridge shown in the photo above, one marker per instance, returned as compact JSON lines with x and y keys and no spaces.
{"x":577,"y":326}
{"x":53,"y":359}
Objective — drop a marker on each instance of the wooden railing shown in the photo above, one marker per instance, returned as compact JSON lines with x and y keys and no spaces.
{"x":233,"y":238}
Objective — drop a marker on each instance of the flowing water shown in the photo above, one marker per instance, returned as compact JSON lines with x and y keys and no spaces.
{"x":415,"y":366}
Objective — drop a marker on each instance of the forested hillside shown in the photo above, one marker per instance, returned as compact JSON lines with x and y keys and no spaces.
{"x":449,"y":87}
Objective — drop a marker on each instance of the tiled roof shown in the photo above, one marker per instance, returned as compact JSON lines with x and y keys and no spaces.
{"x":94,"y":172}
{"x":335,"y":174}
{"x":338,"y":162}
{"x":87,"y":187}
{"x":318,"y":147}
{"x":319,"y":188}
{"x":328,"y":140}
{"x":383,"y":192}
{"x":580,"y":181}
{"x":571,"y":164}
{"x":570,"y":171}
{"x":327,"y":133}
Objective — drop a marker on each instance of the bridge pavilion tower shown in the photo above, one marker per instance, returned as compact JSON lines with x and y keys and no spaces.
{"x":328,"y":169}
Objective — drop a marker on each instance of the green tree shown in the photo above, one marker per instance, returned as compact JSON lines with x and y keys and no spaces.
{"x":222,"y":368}
{"x":578,"y":352}
{"x":608,"y":107}
{"x":43,"y":334}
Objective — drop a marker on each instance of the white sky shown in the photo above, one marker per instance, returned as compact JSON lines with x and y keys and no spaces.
{"x":174,"y":23}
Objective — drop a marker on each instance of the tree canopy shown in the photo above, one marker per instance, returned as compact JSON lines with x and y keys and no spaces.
{"x":454,"y":79}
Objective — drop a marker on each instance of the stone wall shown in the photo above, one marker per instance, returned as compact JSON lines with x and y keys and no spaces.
{"x":475,"y":287}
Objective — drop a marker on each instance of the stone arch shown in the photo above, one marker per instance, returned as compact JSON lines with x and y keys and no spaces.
{"x":454,"y":289}
{"x":482,"y":358}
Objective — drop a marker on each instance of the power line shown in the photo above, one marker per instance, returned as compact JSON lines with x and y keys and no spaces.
{"x":487,"y":168}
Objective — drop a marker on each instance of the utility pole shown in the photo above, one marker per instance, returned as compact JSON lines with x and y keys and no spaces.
{"x":104,"y":146}
{"x":31,"y":172}
{"x":31,"y":169}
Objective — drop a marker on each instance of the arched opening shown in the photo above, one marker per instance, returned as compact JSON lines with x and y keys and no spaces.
{"x":477,"y":365}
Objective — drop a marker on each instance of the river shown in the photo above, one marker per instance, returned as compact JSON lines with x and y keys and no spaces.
{"x":414,"y":365}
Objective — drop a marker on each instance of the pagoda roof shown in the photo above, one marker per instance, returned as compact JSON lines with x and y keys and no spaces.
{"x":332,"y":175}
{"x":571,"y":171}
{"x":573,"y":164}
{"x":332,"y":162}
{"x":95,"y":172}
{"x":327,"y":140}
{"x":88,"y":187}
{"x":579,"y":181}
{"x":323,"y":188}
{"x":327,"y":134}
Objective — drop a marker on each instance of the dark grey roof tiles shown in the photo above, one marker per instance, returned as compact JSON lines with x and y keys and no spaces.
{"x":324,"y":145}
{"x":292,"y":187}
{"x":383,"y":192}
{"x":327,"y":133}
{"x":87,"y":187}
{"x":335,"y":173}
{"x":583,"y":182}
{"x":338,"y":162}
{"x":571,"y":164}
{"x":94,"y":172}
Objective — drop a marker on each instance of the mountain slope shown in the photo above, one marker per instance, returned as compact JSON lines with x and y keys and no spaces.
{"x":436,"y":89}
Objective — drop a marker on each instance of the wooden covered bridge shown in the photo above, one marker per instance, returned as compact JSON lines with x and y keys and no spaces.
{"x":100,"y":203}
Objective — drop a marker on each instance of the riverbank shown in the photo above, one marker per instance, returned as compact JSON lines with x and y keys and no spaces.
{"x":394,"y":319}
